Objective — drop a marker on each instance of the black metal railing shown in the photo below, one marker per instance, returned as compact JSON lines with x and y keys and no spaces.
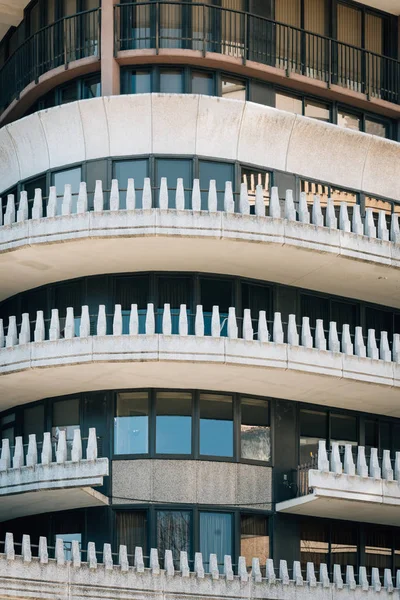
{"x":66,"y":40}
{"x":206,"y":28}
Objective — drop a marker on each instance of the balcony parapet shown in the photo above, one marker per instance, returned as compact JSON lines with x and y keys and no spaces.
{"x":287,"y":230}
{"x":123,"y":576}
{"x":132,"y":340}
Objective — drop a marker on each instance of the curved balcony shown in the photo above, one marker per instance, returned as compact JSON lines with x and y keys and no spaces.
{"x":203,"y":30}
{"x":318,"y":247}
{"x":189,"y":350}
{"x":41,"y":478}
{"x":69,"y":41}
{"x":347,"y":486}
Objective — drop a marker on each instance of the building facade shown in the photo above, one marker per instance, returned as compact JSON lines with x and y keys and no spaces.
{"x":199,"y":298}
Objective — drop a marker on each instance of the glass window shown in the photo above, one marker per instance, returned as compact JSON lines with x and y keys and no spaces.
{"x":221,"y":172}
{"x":233,"y":88}
{"x":171,"y":81}
{"x":343,"y":429}
{"x":131,"y":169}
{"x":174,"y":423}
{"x":344,"y":313}
{"x":202,"y":83}
{"x":215,"y":536}
{"x":313,"y":428}
{"x":173,"y":532}
{"x":344,"y":540}
{"x":216,"y":425}
{"x":317,"y":110}
{"x":254,"y":538}
{"x":131,"y":424}
{"x":33,"y":422}
{"x":132,"y":531}
{"x":376,"y":128}
{"x":252,"y":178}
{"x":128,"y":291}
{"x":91,"y":88}
{"x":255,"y":433}
{"x":33,"y":184}
{"x":371,"y":434}
{"x":256,"y":298}
{"x":174,"y":169}
{"x":291,"y":104}
{"x":69,"y":93}
{"x":7,"y":425}
{"x":69,"y":176}
{"x":314,"y":542}
{"x":140,"y":82}
{"x":349,"y":121}
{"x":315,"y":307}
{"x":217,"y":292}
{"x":68,"y":538}
{"x":378,"y":547}
{"x":65,"y":418}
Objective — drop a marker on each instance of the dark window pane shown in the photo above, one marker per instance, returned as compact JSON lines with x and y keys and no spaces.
{"x":202,"y":83}
{"x":174,"y":169}
{"x":69,"y":93}
{"x":385,"y":438}
{"x":174,"y":423}
{"x":128,"y":291}
{"x":233,"y":88}
{"x":91,"y":88}
{"x":256,"y":298}
{"x":33,"y":422}
{"x":378,"y":547}
{"x":254,"y":538}
{"x":396,"y":439}
{"x":315,"y":308}
{"x":131,"y":169}
{"x":140,"y":82}
{"x":30,"y":187}
{"x":343,"y":429}
{"x":314,"y":542}
{"x":371,"y":434}
{"x":173,"y":291}
{"x":131,"y":424}
{"x":72,"y":177}
{"x":313,"y":428}
{"x":216,"y":425}
{"x":344,"y":542}
{"x":216,"y":292}
{"x":132,"y":531}
{"x":173,"y":532}
{"x":380,"y":320}
{"x":255,"y":433}
{"x":65,"y":417}
{"x":221,"y":172}
{"x":215,"y":536}
{"x":344,"y":313}
{"x":171,"y":81}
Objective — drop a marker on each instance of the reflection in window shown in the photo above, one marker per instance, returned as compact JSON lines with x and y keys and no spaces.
{"x":131,"y":424}
{"x":233,"y":88}
{"x":171,"y":81}
{"x":255,"y":433}
{"x":132,"y":530}
{"x":174,"y":169}
{"x":348,"y":121}
{"x":291,"y":104}
{"x":215,"y":536}
{"x":202,"y":83}
{"x":174,"y":423}
{"x":173,"y":532}
{"x":33,"y":419}
{"x":68,"y":538}
{"x":376,"y":128}
{"x":343,"y":429}
{"x":137,"y":170}
{"x":65,"y":418}
{"x":72,"y":177}
{"x":378,"y":548}
{"x":344,"y":542}
{"x":314,"y":543}
{"x":313,"y":428}
{"x":209,"y":290}
{"x":221,"y":173}
{"x":69,"y":93}
{"x":317,"y":110}
{"x":216,"y":425}
{"x":254,"y":538}
{"x":252,"y":179}
{"x":140,"y":82}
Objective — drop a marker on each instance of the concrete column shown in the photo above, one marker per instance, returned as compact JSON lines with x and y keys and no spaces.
{"x":110,"y":77}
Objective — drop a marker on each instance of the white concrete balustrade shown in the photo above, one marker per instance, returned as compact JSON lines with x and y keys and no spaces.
{"x":114,"y":575}
{"x":32,"y":482}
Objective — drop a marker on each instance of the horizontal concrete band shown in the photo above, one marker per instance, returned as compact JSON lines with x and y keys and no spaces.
{"x":115,"y":577}
{"x":133,"y":125}
{"x":315,"y":251}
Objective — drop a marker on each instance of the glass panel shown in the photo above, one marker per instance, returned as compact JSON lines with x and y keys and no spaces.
{"x":344,"y":429}
{"x":69,"y":176}
{"x":252,"y":178}
{"x":65,"y":418}
{"x":221,"y":172}
{"x":256,"y":298}
{"x":131,"y":169}
{"x":233,"y":88}
{"x":202,"y":83}
{"x":140,"y":82}
{"x":91,"y":88}
{"x":69,"y":93}
{"x":171,"y":81}
{"x":371,"y":434}
{"x":288,"y":41}
{"x":69,"y":7}
{"x":30,"y":187}
{"x":317,"y":110}
{"x":313,"y":428}
{"x":289,"y":103}
{"x":68,"y":538}
{"x":8,"y":433}
{"x":174,"y":169}
{"x":378,"y":547}
{"x":173,"y":291}
{"x":344,"y":313}
{"x":254,"y":538}
{"x":216,"y":425}
{"x":216,"y":292}
{"x":314,"y":543}
{"x":173,"y":532}
{"x":215,"y":536}
{"x":128,"y":291}
{"x":171,"y":32}
{"x":132,"y":531}
{"x":255,"y":433}
{"x":174,"y":423}
{"x":33,"y":422}
{"x":344,"y":549}
{"x":131,"y":424}
{"x":315,"y":308}
{"x":376,"y":128}
{"x":313,"y":188}
{"x":348,"y":121}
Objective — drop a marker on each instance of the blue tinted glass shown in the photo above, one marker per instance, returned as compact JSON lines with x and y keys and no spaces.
{"x":216,"y":425}
{"x":174,"y":169}
{"x":131,"y":169}
{"x":60,"y":179}
{"x":131,"y":424}
{"x":171,"y":81}
{"x":202,"y":83}
{"x":221,"y":172}
{"x":215,"y":535}
{"x":140,"y":82}
{"x":174,"y":423}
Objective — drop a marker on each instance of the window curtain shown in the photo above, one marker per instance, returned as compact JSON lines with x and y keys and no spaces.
{"x":314,"y":544}
{"x":374,"y":43}
{"x":344,"y":313}
{"x":316,"y":49}
{"x":131,"y":531}
{"x":131,"y":290}
{"x":378,"y":547}
{"x":173,"y":532}
{"x":315,"y":308}
{"x":215,"y":536}
{"x":288,"y":41}
{"x":232,"y":27}
{"x":349,"y":31}
{"x":171,"y":25}
{"x":344,"y":545}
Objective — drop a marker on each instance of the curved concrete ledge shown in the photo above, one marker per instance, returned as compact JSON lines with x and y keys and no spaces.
{"x":343,"y":376}
{"x":315,"y":251}
{"x":198,"y":125}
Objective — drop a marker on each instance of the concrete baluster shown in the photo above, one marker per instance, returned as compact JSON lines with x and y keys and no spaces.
{"x":320,"y":339}
{"x":212,"y":200}
{"x":101,"y":321}
{"x":304,"y":215}
{"x":184,"y":564}
{"x":84,"y":329}
{"x":369,"y":224}
{"x":359,"y":345}
{"x":32,"y":454}
{"x":323,"y":575}
{"x":147,"y":198}
{"x":270,"y":571}
{"x":91,"y":556}
{"x":5,"y":460}
{"x":107,"y":558}
{"x":37,"y":209}
{"x":384,"y":348}
{"x":278,"y":329}
{"x":169,"y":564}
{"x":232,"y":324}
{"x":9,"y":217}
{"x":196,"y":196}
{"x":69,"y":330}
{"x":357,"y":224}
{"x":372,"y":347}
{"x":229,"y":203}
{"x":349,"y":466}
{"x":150,"y":326}
{"x":306,"y":337}
{"x":98,"y":200}
{"x":39,"y":333}
{"x":54,"y":333}
{"x":350,"y":579}
{"x":362,"y":468}
{"x":388,"y":581}
{"x":134,"y":320}
{"x":76,"y":554}
{"x":18,"y":458}
{"x":166,"y":320}
{"x":228,"y":570}
{"x":297,"y":574}
{"x":26,"y":549}
{"x":334,"y":344}
{"x":317,"y":216}
{"x":396,"y":348}
{"x":260,"y":201}
{"x":215,"y":322}
{"x":337,"y":577}
{"x":2,"y":337}
{"x":9,"y":550}
{"x":274,"y":204}
{"x":76,"y":453}
{"x":375,"y":579}
{"x":213,"y":567}
{"x":123,"y":559}
{"x":66,"y":206}
{"x":396,"y":467}
{"x":336,"y":461}
{"x":59,"y":552}
{"x":284,"y":572}
{"x":395,"y":229}
{"x":248,"y":332}
{"x":242,"y":569}
{"x":347,"y":345}
{"x":323,"y":461}
{"x":91,"y":450}
{"x":290,"y":211}
{"x":114,"y":195}
{"x":25,"y":331}
{"x":51,"y":208}
{"x":398,"y":579}
{"x":130,"y":201}
{"x":47,"y":452}
{"x":61,"y":452}
{"x":117,"y":320}
{"x":387,"y":471}
{"x":138,"y":560}
{"x":180,"y":195}
{"x":199,"y":322}
{"x":292,"y":333}
{"x":374,"y":468}
{"x":262,"y":334}
{"x":256,"y":570}
{"x":43,"y":552}
{"x":331,"y":218}
{"x":82,"y":203}
{"x":244,"y":206}
{"x":12,"y":336}
{"x":22,"y":213}
{"x":310,"y":575}
{"x":383,"y":232}
{"x":163,"y":202}
{"x":198,"y":565}
{"x":344,"y":221}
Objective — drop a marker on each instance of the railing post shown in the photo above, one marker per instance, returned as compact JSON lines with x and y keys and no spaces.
{"x":330,"y":63}
{"x":246,"y":37}
{"x":157,"y":27}
{"x":204,"y":30}
{"x":65,"y":43}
